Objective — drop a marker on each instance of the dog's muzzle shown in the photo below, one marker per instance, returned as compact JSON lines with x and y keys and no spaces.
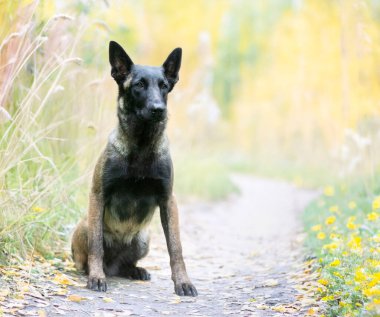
{"x":157,"y":112}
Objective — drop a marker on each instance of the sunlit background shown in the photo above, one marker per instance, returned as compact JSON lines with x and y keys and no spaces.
{"x":281,"y":88}
{"x":285,"y":89}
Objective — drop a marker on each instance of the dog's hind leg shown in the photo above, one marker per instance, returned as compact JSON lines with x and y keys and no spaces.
{"x":124,"y":264}
{"x":79,"y":246}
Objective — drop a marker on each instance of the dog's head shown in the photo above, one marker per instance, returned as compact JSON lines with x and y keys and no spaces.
{"x":143,"y":90}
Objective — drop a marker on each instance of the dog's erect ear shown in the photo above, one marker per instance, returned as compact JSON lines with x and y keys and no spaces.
{"x":172,"y":66}
{"x":120,"y":62}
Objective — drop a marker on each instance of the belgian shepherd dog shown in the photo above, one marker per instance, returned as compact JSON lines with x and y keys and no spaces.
{"x":133,"y":176}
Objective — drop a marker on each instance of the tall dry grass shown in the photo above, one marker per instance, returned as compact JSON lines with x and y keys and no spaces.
{"x":37,"y":203}
{"x":56,"y":112}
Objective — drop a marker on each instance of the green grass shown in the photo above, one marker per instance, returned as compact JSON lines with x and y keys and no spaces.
{"x":41,"y":184}
{"x":203,"y":176}
{"x":344,"y":234}
{"x":40,"y":191}
{"x":47,"y":151}
{"x":301,"y":173}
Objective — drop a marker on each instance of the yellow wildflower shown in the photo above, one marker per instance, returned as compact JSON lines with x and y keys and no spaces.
{"x":352,"y":205}
{"x":330,"y":220}
{"x":373,"y":216}
{"x":376,"y":203}
{"x":334,"y":236}
{"x":329,"y":191}
{"x":376,"y":277}
{"x":334,"y":263}
{"x":350,"y":223}
{"x":323,"y":281}
{"x":355,"y":243}
{"x":38,"y":209}
{"x":316,"y":228}
{"x":328,"y":298}
{"x":360,"y":276}
{"x":369,"y":292}
{"x":373,"y":262}
{"x":356,"y":239}
{"x":373,"y":282}
{"x":321,"y":235}
{"x":330,"y":246}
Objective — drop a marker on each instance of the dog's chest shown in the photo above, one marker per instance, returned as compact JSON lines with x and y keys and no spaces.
{"x":131,"y":197}
{"x":118,"y":231}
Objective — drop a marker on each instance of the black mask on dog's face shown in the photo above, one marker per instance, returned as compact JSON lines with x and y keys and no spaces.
{"x":143,"y":90}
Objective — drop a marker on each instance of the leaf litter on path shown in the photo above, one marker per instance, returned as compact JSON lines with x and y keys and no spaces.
{"x":230,"y":279}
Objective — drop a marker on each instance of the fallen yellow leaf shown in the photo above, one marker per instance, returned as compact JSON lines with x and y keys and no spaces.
{"x":75,"y":298}
{"x":63,"y":280}
{"x":107,"y":300}
{"x":61,"y":292}
{"x":311,"y":312}
{"x":280,"y":309}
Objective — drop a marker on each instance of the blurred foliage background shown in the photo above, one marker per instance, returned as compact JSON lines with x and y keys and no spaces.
{"x":283,"y":88}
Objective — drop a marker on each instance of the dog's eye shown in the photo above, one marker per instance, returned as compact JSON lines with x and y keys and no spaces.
{"x":163,"y":85}
{"x":140,"y":84}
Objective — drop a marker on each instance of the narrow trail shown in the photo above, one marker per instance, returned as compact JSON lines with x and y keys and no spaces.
{"x":241,"y":254}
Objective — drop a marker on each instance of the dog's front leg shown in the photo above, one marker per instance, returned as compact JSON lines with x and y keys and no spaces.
{"x":96,"y":276}
{"x":170,"y":224}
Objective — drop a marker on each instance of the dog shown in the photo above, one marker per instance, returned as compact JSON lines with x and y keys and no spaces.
{"x":133,"y":176}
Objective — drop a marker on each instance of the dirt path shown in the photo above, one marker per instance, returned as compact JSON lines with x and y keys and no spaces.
{"x":241,"y":254}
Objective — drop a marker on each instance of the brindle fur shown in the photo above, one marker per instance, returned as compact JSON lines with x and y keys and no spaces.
{"x":133,"y":176}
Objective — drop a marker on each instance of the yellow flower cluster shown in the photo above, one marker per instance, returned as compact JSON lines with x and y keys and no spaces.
{"x":329,"y":191}
{"x":321,"y":235}
{"x":350,"y":254}
{"x":373,"y":216}
{"x":330,"y":220}
{"x":351,"y":223}
{"x":336,"y":262}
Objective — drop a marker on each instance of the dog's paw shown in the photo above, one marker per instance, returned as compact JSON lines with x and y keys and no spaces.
{"x":185,"y":289}
{"x":137,"y":273}
{"x":97,"y":283}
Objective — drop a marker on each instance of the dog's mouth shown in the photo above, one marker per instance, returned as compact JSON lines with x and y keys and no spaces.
{"x":159,"y":117}
{"x":152,"y":117}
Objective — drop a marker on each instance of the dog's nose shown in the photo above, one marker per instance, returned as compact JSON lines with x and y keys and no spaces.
{"x":157,"y":109}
